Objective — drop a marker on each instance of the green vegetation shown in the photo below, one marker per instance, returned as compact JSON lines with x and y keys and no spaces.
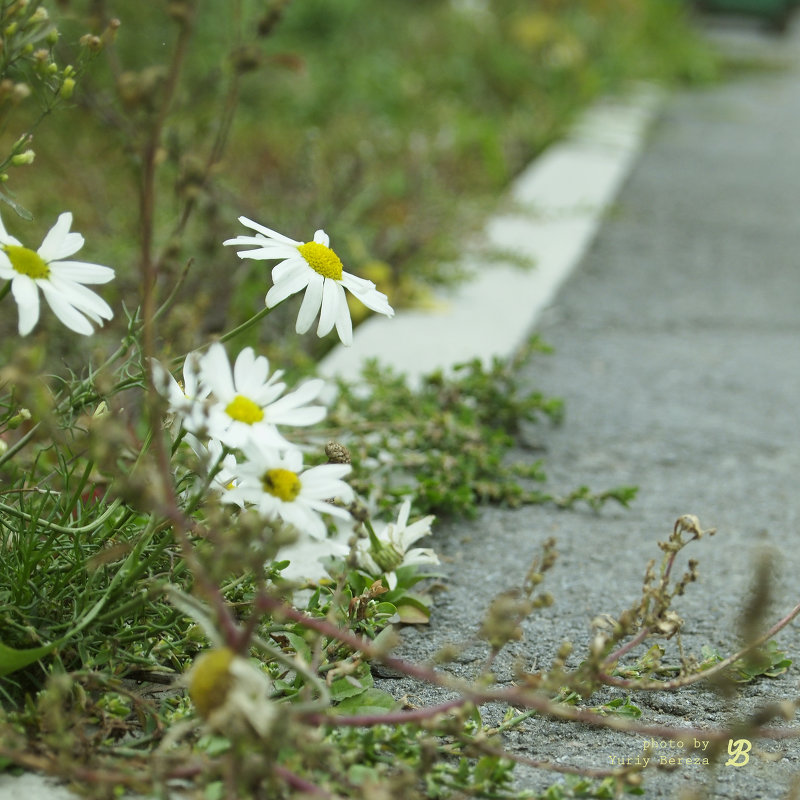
{"x":392,"y":125}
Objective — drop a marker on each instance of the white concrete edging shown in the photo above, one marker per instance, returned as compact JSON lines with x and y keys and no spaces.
{"x":557,"y":206}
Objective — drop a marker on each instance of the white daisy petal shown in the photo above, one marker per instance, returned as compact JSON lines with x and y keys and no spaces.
{"x":82,"y":272}
{"x":270,"y":234}
{"x":344,"y":326}
{"x":291,"y":265}
{"x":250,"y":372}
{"x":68,"y":314}
{"x":76,"y":294}
{"x":215,"y":372}
{"x":27,"y":297}
{"x":7,"y":271}
{"x":332,"y":296}
{"x":7,"y":238}
{"x":312,"y":300}
{"x":405,"y":510}
{"x":420,"y":555}
{"x":265,"y":251}
{"x":59,"y":242}
{"x":291,"y":285}
{"x":368,"y":295}
{"x":303,"y":520}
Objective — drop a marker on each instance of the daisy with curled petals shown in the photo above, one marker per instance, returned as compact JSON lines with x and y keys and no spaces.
{"x":387,"y":550}
{"x":184,"y":401}
{"x":61,"y":281}
{"x":312,"y":266}
{"x":213,"y":457}
{"x":278,"y":487}
{"x":246,"y":401}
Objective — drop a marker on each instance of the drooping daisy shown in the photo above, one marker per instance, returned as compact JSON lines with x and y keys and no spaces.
{"x":61,"y":281}
{"x":231,"y":693}
{"x":386,"y":550}
{"x":247,"y":405}
{"x":278,"y":487}
{"x":312,"y":266}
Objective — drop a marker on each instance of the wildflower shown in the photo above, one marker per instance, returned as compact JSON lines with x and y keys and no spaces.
{"x":231,"y":693}
{"x":183,"y":400}
{"x":61,"y":281}
{"x":382,"y":553}
{"x":307,"y":557}
{"x":312,"y":266}
{"x":211,"y":457}
{"x":247,"y":405}
{"x":279,"y":488}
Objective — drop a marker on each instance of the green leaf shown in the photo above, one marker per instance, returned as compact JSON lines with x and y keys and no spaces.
{"x":769,"y":661}
{"x":371,"y":701}
{"x":299,"y":645}
{"x":412,"y":610}
{"x":621,"y":706}
{"x":345,"y":687}
{"x":11,"y":660}
{"x":21,"y":210}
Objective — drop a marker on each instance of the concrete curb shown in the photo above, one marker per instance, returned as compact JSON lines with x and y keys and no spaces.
{"x":555,"y":209}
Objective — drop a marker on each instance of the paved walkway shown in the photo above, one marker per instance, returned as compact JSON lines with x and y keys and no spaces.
{"x":677,"y":351}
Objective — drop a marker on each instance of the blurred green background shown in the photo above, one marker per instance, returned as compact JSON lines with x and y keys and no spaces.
{"x":393,"y":124}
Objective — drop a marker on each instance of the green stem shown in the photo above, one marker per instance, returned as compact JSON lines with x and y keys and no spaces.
{"x":5,"y":290}
{"x":93,"y":526}
{"x":15,"y":448}
{"x":73,"y":500}
{"x":226,"y":337}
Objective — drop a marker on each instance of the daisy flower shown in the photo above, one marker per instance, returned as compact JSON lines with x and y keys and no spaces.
{"x":231,"y":693}
{"x":383,"y":552}
{"x":184,"y":400}
{"x":247,"y":404}
{"x":278,"y":487}
{"x":211,"y":457}
{"x":306,"y":557}
{"x":61,"y":281}
{"x":312,"y":266}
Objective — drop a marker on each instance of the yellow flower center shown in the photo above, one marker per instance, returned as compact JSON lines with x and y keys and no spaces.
{"x":322,"y":260}
{"x":27,"y":262}
{"x":243,"y":409}
{"x":281,"y":483}
{"x":210,"y":680}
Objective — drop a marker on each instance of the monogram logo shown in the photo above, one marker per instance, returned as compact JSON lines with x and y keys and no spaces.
{"x":737,"y":749}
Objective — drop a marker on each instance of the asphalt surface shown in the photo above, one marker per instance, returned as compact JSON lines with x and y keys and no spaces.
{"x":677,"y":352}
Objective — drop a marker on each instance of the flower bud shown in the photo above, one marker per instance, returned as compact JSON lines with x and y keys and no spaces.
{"x":21,"y":159}
{"x":21,"y":91}
{"x":67,"y":88}
{"x":23,"y":415}
{"x":91,"y":42}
